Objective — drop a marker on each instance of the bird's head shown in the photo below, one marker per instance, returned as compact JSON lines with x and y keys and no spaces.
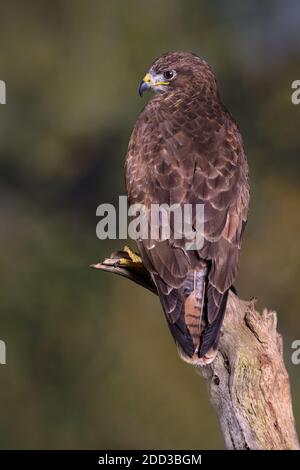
{"x":175,"y":71}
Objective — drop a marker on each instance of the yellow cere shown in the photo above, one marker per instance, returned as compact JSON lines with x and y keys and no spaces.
{"x":148,"y":79}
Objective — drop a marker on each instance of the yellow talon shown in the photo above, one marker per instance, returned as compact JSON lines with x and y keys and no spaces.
{"x":133,"y":256}
{"x":124,"y":262}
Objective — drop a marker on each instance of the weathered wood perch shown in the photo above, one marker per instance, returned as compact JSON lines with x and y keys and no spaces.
{"x":248,"y":383}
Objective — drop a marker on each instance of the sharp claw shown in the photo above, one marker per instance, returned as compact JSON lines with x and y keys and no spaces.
{"x":135,"y":258}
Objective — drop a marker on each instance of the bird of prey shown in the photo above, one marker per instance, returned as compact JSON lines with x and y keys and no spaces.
{"x":187,"y":148}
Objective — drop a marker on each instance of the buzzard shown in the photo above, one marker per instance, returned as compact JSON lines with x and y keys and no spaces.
{"x":187,"y":149}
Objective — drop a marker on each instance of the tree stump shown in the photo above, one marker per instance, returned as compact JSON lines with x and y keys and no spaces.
{"x":247,"y":382}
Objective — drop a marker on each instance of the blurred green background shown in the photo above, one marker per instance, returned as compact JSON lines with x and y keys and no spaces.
{"x":90,"y":362}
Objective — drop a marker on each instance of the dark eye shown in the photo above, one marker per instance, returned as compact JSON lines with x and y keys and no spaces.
{"x":169,"y":74}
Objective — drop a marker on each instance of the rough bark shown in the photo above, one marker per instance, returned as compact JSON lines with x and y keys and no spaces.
{"x":247,"y":382}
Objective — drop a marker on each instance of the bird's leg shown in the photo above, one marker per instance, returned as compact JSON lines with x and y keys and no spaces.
{"x":133,"y":258}
{"x":128,"y":264}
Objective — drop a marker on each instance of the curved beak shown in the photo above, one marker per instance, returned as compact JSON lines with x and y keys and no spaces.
{"x":145,"y":84}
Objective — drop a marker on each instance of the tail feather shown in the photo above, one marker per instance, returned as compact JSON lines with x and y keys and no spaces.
{"x":194,"y":313}
{"x":210,"y":335}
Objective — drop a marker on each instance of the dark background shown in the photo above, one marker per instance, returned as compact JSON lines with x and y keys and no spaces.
{"x":90,"y":362}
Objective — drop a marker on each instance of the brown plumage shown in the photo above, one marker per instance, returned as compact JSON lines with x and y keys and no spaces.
{"x":186,"y":148}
